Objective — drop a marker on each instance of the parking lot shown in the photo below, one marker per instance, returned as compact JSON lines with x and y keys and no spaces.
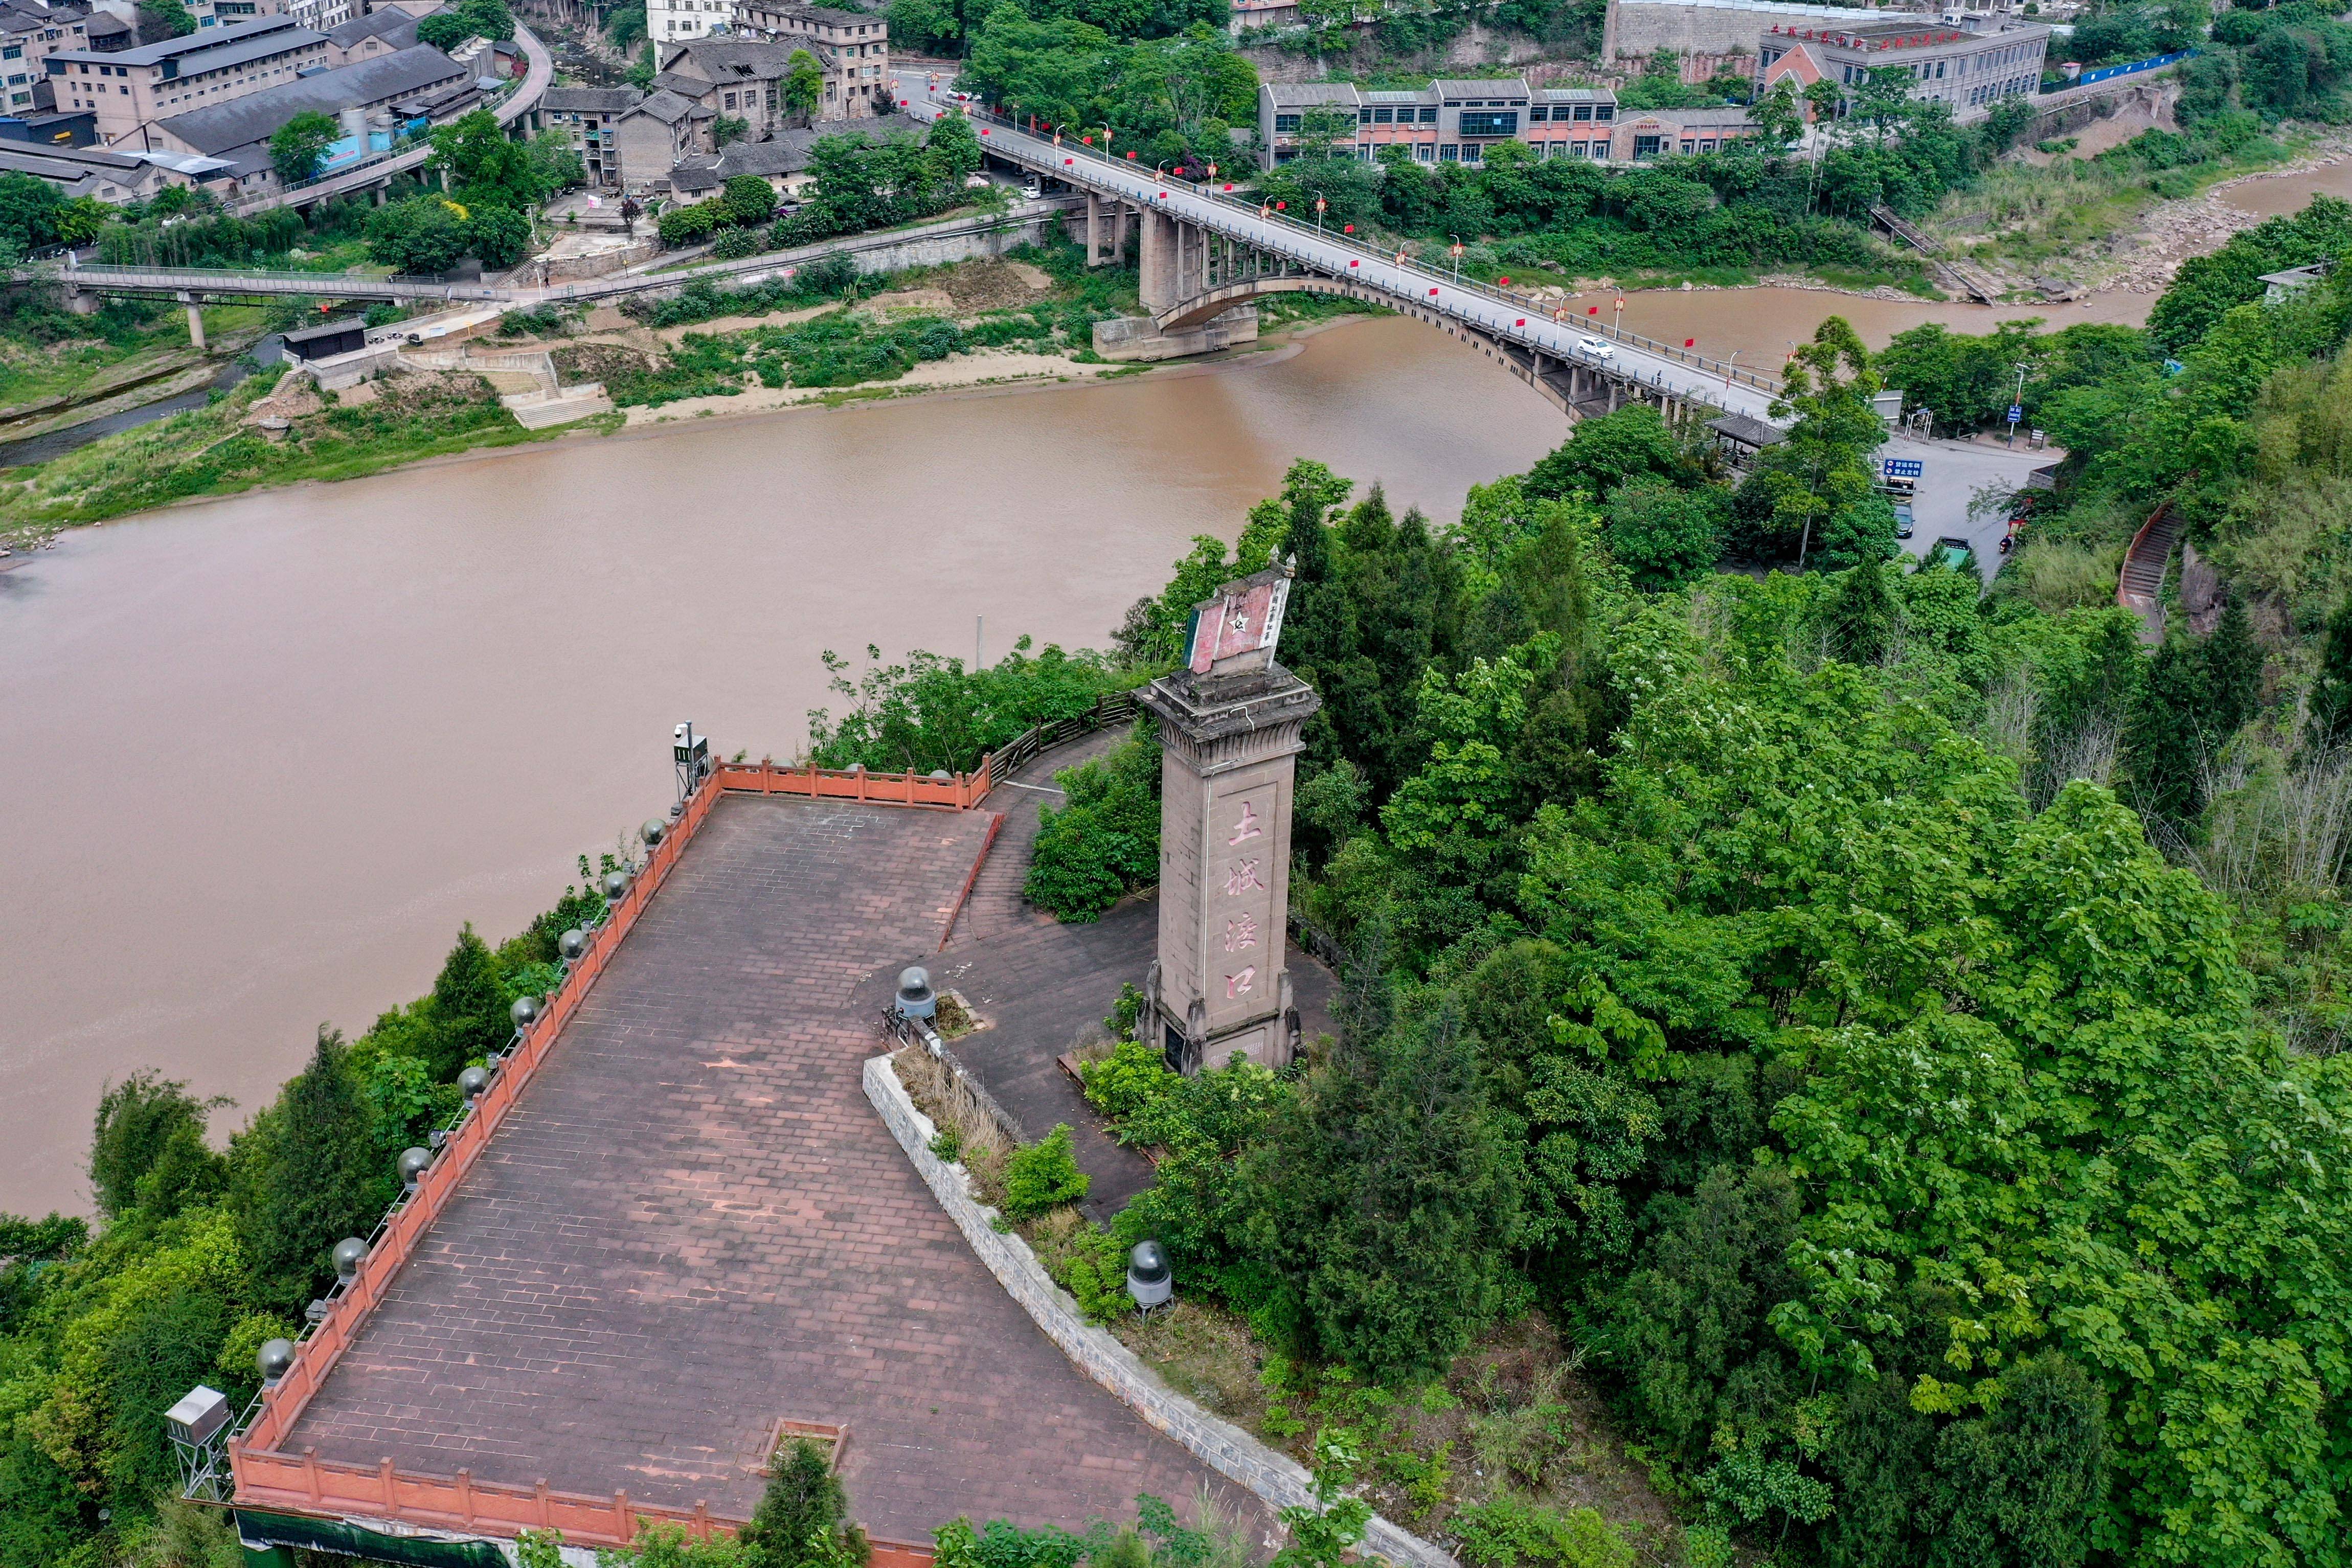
{"x":1951,"y":471}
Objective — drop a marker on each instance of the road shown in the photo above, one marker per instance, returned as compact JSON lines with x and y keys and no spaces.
{"x":1489,"y":311}
{"x":1953,"y":471}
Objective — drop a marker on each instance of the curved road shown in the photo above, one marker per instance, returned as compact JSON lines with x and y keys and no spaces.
{"x":540,"y":72}
{"x":1336,"y":256}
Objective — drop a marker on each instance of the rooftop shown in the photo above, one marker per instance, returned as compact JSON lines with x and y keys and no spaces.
{"x":1500,"y":86}
{"x":667,"y":107}
{"x":394,"y":25}
{"x":218,"y":47}
{"x":1285,"y":93}
{"x":786,"y":152}
{"x":589,"y":99}
{"x":692,"y":1225}
{"x":216,"y":128}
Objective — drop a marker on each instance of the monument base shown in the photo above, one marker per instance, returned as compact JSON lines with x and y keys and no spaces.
{"x":1134,"y":337}
{"x":1270,"y":1040}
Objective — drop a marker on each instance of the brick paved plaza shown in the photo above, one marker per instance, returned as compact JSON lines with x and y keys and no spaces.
{"x":694,"y":1225}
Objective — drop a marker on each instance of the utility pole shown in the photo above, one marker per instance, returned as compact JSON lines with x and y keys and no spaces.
{"x":2016,"y":407}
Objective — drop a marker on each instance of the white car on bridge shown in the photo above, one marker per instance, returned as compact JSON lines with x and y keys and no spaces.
{"x":1596,"y":348}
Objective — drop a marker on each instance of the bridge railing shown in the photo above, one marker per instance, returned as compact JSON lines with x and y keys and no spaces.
{"x":1508,"y":298}
{"x":225,"y":280}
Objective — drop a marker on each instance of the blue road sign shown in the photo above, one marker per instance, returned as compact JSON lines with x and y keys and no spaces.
{"x":1904,"y":468}
{"x":2015,"y":413}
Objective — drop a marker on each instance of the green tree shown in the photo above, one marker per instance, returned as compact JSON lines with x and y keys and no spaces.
{"x":2330,"y":724}
{"x":1385,"y":1196}
{"x":751,"y":200}
{"x":304,"y":1176}
{"x":1600,"y":455}
{"x":161,"y":19}
{"x":2233,"y":672}
{"x":1664,"y":537}
{"x":469,"y":1007}
{"x":804,"y":85}
{"x":2167,"y":745}
{"x":1863,"y":621}
{"x":29,"y":210}
{"x":803,"y":1516}
{"x":422,"y":235}
{"x":148,"y":1148}
{"x":501,"y":237}
{"x":299,"y":146}
{"x":1819,"y":479}
{"x":952,"y":150}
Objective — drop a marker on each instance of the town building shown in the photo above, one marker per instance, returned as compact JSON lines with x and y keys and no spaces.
{"x":375,"y":101}
{"x":31,"y":33}
{"x":672,"y":21}
{"x":97,"y":173}
{"x":589,"y":117}
{"x":743,"y":79}
{"x":1456,"y":121}
{"x":1702,"y":32}
{"x":134,"y":87}
{"x":782,"y":160}
{"x":854,"y":46}
{"x":1969,"y":69}
{"x":651,"y":135}
{"x":385,"y":32}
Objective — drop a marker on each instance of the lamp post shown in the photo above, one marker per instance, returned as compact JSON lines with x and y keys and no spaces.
{"x":2016,"y":402}
{"x":1319,"y":205}
{"x":1456,"y":249}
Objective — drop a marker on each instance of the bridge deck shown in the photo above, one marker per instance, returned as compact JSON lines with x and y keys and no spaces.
{"x":693,"y":1223}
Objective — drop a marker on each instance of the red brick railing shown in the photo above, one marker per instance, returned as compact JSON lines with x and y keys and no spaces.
{"x":268,"y":1476}
{"x":958,"y":791}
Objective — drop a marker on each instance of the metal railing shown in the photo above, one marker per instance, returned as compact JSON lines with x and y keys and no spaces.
{"x":1507,"y":299}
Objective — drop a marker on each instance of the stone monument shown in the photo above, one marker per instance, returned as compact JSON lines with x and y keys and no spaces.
{"x":1229,"y":733}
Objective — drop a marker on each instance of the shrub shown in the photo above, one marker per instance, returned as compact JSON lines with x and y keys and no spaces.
{"x":1105,"y":841}
{"x":1044,"y":1175}
{"x":1508,"y":1531}
{"x":1130,"y":1081}
{"x":802,"y":1518}
{"x":691,"y":225}
{"x":749,"y":200}
{"x":737,"y":244}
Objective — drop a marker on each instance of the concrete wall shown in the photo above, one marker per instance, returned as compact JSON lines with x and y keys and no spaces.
{"x":1223,"y":1447}
{"x":1637,"y":28}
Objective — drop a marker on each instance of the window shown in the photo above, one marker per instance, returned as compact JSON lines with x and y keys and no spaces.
{"x":1384,"y":117}
{"x":1604,"y":113}
{"x":1286,"y":122}
{"x":1688,"y":147}
{"x":1449,"y":153}
{"x":1429,"y":115}
{"x":1363,"y":117}
{"x":1583,"y":111}
{"x":1706,"y":146}
{"x":1473,"y":152}
{"x":1423,"y":153}
{"x":1600,"y":152}
{"x":1644,"y":146}
{"x":1490,"y":122}
{"x":1539,"y":115}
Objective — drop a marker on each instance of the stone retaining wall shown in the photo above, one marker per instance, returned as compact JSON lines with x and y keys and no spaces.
{"x":1279,"y":1481}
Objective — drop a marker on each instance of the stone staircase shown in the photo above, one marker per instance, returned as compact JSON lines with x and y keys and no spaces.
{"x":526,"y":383}
{"x":2141,"y":588}
{"x":1965,"y":275}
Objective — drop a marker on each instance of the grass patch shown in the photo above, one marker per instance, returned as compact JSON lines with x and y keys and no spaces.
{"x":46,"y":353}
{"x":211,"y":451}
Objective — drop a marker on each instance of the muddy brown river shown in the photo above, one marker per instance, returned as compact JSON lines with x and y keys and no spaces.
{"x":262,"y":756}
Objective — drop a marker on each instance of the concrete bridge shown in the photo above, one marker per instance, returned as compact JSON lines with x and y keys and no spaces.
{"x":1201,"y":253}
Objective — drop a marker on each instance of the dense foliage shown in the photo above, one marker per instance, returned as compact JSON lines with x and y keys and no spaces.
{"x":203,"y":1256}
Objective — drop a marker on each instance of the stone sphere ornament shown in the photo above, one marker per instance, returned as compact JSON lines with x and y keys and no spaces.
{"x":275,"y":1359}
{"x":349,"y":1254}
{"x":411,"y":1164}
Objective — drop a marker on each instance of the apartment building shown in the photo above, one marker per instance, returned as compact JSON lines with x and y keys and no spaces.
{"x":1969,"y":68}
{"x":129,"y":89}
{"x":1457,"y":122}
{"x":854,"y":46}
{"x":589,"y":117}
{"x":674,"y":21}
{"x":31,"y":33}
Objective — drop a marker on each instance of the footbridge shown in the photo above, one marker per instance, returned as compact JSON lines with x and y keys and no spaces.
{"x":1202,"y":251}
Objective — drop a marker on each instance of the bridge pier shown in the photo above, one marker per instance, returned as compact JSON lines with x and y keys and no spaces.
{"x":196,"y":322}
{"x":1094,"y":229}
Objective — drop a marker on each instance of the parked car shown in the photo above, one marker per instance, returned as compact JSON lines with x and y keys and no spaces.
{"x":975,"y":181}
{"x":1596,"y":348}
{"x":1033,"y":187}
{"x":1903,"y":521}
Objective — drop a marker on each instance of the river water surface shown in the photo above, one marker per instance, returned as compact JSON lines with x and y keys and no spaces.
{"x":262,"y":756}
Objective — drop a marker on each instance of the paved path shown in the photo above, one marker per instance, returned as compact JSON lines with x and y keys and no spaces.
{"x":694,"y":1224}
{"x":1041,"y":986}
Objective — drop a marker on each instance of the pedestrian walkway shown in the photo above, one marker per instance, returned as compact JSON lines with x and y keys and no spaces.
{"x":692,"y":1227}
